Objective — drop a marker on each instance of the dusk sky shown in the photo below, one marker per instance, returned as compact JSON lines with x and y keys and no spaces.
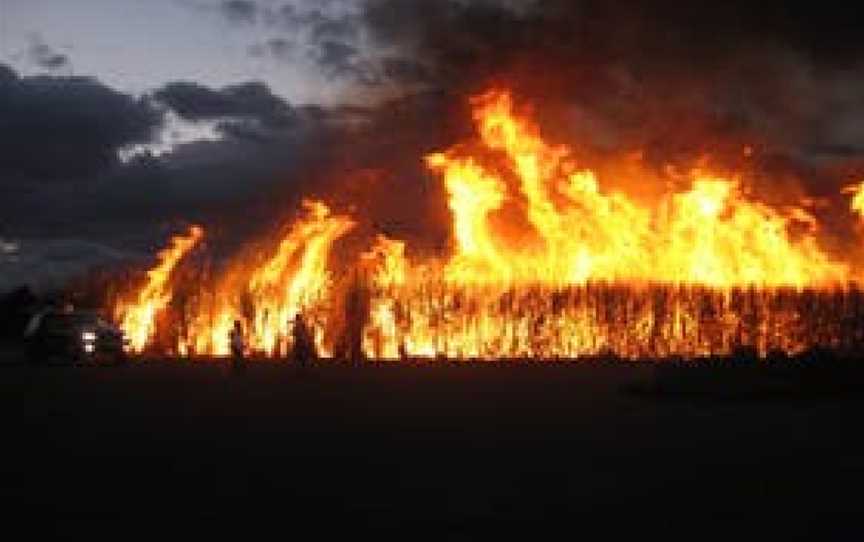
{"x":124,"y":120}
{"x":138,"y":46}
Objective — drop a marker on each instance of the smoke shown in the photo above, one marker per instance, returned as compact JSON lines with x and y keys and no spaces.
{"x":62,"y":181}
{"x":48,"y":264}
{"x":672,"y":82}
{"x":46,"y":57}
{"x":56,"y":128}
{"x":675,"y":83}
{"x":675,"y":75}
{"x":674,"y":79}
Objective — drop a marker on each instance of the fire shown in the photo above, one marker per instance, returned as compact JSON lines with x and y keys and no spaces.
{"x":857,"y":192}
{"x":138,"y":317}
{"x":267,"y":295}
{"x":710,"y":234}
{"x":546,"y":262}
{"x":390,"y":270}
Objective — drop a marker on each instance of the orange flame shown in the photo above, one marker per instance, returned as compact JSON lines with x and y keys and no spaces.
{"x":268,"y":295}
{"x":857,"y":203}
{"x":138,"y":318}
{"x":546,"y":262}
{"x":526,"y":291}
{"x":710,"y":234}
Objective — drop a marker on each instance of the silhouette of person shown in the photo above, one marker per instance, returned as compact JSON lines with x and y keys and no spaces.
{"x":237,"y":346}
{"x":356,"y":316}
{"x":303,"y":347}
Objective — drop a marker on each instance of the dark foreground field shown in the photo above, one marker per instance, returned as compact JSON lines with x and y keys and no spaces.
{"x":414,"y":453}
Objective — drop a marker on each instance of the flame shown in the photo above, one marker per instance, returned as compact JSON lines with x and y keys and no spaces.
{"x":589,"y":271}
{"x":710,"y":234}
{"x":268,"y":295}
{"x":389,"y":268}
{"x":546,"y":262}
{"x":857,"y":203}
{"x":295,"y":277}
{"x":137,"y":318}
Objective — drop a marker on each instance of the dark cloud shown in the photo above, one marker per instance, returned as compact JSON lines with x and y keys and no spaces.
{"x":67,"y":127}
{"x":329,"y":38}
{"x":405,"y":70}
{"x":786,"y":76}
{"x":240,"y":11}
{"x":46,"y":57}
{"x":7,"y":76}
{"x":480,"y":34}
{"x":454,"y":35}
{"x":337,"y":28}
{"x":674,"y":80}
{"x":290,"y":18}
{"x":281,"y":48}
{"x":238,"y":187}
{"x":336,"y":55}
{"x":47,"y":264}
{"x":378,"y":155}
{"x":318,"y":22}
{"x":252,"y":100}
{"x":344,"y":61}
{"x":64,"y":128}
{"x":609,"y":78}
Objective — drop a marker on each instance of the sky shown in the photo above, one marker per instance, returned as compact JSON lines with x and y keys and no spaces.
{"x":136,"y":46}
{"x":122,"y":121}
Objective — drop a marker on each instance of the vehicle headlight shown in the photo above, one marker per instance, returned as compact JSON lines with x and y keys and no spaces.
{"x":88,"y":336}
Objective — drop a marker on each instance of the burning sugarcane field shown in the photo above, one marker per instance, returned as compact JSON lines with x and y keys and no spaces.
{"x":431,"y":269}
{"x":545,"y":263}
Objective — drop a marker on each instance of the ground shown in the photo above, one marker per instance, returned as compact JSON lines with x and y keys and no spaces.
{"x":417,"y":453}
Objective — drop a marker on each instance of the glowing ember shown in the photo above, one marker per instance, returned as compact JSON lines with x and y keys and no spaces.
{"x":545,"y":263}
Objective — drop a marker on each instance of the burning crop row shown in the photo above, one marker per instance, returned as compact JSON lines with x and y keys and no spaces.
{"x":138,"y":316}
{"x":629,"y":322}
{"x":545,"y":264}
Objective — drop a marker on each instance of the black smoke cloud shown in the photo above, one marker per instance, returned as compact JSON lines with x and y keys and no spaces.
{"x":336,"y":56}
{"x":67,"y":127}
{"x":782,"y":77}
{"x":281,"y":49}
{"x":467,"y":39}
{"x":46,"y":57}
{"x":404,"y":71}
{"x":72,"y":205}
{"x":661,"y":76}
{"x":250,"y":101}
{"x":51,"y":262}
{"x":330,"y":36}
{"x":240,"y":11}
{"x":674,"y":80}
